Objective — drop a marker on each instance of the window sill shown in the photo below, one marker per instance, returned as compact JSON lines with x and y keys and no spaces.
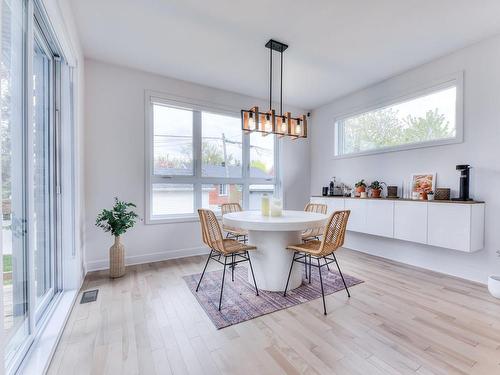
{"x":177,"y":219}
{"x":414,"y":146}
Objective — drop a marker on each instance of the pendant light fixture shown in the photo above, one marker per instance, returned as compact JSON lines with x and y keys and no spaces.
{"x":282,"y":124}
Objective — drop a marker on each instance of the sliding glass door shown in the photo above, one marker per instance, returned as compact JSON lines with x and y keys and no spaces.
{"x":30,"y":85}
{"x":43,"y":167}
{"x":14,"y":176}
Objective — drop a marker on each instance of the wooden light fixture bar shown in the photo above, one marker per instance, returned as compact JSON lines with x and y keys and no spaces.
{"x":269,"y":122}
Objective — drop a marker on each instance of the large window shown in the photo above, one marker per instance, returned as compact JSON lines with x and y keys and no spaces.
{"x":425,"y":119}
{"x":200,"y":158}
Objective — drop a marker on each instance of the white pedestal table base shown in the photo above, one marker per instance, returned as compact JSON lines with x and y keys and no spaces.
{"x":271,"y":261}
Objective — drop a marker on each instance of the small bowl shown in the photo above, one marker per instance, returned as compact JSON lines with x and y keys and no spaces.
{"x":494,"y":285}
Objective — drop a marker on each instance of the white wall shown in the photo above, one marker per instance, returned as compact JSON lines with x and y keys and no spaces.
{"x":480,"y":148}
{"x":115,"y":165}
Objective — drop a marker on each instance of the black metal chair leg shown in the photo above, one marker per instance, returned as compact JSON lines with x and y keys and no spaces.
{"x":322,"y":290}
{"x":222,"y":286}
{"x":310,"y":268}
{"x":204,"y":268}
{"x":232,"y":268}
{"x":253,"y":276}
{"x":326,"y":262}
{"x":342,"y":276}
{"x":305,"y":264}
{"x":289,"y":273}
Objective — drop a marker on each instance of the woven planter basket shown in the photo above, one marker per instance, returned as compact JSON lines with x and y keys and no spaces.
{"x":117,"y":259}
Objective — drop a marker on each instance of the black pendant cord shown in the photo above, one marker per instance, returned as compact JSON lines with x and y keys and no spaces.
{"x":281,"y":85}
{"x":270,"y":78}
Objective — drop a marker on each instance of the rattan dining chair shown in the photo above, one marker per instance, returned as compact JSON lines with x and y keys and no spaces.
{"x":231,"y":232}
{"x":222,"y":247}
{"x":314,"y":233}
{"x":333,"y":238}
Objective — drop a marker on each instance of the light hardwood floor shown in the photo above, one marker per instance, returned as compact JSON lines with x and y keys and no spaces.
{"x":402,"y":320}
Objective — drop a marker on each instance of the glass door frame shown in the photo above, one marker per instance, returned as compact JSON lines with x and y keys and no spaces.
{"x":39,"y":309}
{"x":22,"y":332}
{"x":37,"y":31}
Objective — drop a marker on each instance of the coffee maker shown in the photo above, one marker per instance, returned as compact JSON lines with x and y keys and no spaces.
{"x":463,"y":194}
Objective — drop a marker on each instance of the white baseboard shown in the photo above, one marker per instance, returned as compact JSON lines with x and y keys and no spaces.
{"x":103,"y":264}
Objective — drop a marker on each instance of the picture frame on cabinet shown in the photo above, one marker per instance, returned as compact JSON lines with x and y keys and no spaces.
{"x":423,"y":182}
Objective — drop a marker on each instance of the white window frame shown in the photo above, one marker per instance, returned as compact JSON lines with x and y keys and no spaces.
{"x":197,"y":179}
{"x":452,"y":80}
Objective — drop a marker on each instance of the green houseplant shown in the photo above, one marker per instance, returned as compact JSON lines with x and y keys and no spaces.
{"x":360,"y":187}
{"x":117,"y":221}
{"x":376,"y":188}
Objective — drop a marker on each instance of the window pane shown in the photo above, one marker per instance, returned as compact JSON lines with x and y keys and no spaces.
{"x":256,"y":194}
{"x":15,"y":293}
{"x":42,"y":172}
{"x":172,"y":199}
{"x":221,"y":146}
{"x":261,"y":155}
{"x":427,"y":118}
{"x":215,"y":195}
{"x":173,"y":141}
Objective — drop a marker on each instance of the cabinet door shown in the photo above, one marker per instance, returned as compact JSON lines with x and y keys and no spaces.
{"x":380,"y":218}
{"x":357,"y":218}
{"x":410,"y":221}
{"x":449,"y":225}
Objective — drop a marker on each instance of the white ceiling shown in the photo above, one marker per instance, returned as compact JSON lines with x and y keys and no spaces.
{"x":336,"y":46}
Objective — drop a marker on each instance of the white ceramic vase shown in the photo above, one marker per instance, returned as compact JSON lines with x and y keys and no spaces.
{"x":494,"y":285}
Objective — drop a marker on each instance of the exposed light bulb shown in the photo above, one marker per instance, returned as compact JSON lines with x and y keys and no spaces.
{"x":251,"y":123}
{"x":298,"y":129}
{"x":284,"y":126}
{"x":267,"y":126}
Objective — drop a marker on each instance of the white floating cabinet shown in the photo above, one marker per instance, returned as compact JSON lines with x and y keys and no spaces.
{"x":380,"y":217}
{"x":456,"y":226}
{"x":452,"y":225}
{"x":357,"y":218}
{"x":410,"y":221}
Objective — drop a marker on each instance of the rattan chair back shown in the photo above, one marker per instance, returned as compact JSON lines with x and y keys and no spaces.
{"x":210,"y":229}
{"x":227,"y":208}
{"x":334,"y":233}
{"x":317,"y":208}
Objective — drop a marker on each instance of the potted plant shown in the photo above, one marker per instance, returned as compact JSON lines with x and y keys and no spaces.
{"x":430,"y":195}
{"x":376,"y":188}
{"x":117,"y":221}
{"x":494,"y":283}
{"x":360,"y":187}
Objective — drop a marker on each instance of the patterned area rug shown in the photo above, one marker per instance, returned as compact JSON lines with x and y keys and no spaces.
{"x":239,"y":302}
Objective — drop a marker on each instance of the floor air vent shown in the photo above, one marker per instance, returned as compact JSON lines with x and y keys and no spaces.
{"x":89,"y":296}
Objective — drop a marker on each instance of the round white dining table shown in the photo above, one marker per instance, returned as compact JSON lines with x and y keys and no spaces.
{"x":271,"y":235}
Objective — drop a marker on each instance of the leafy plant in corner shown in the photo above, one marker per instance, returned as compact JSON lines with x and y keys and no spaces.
{"x":117,"y":220}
